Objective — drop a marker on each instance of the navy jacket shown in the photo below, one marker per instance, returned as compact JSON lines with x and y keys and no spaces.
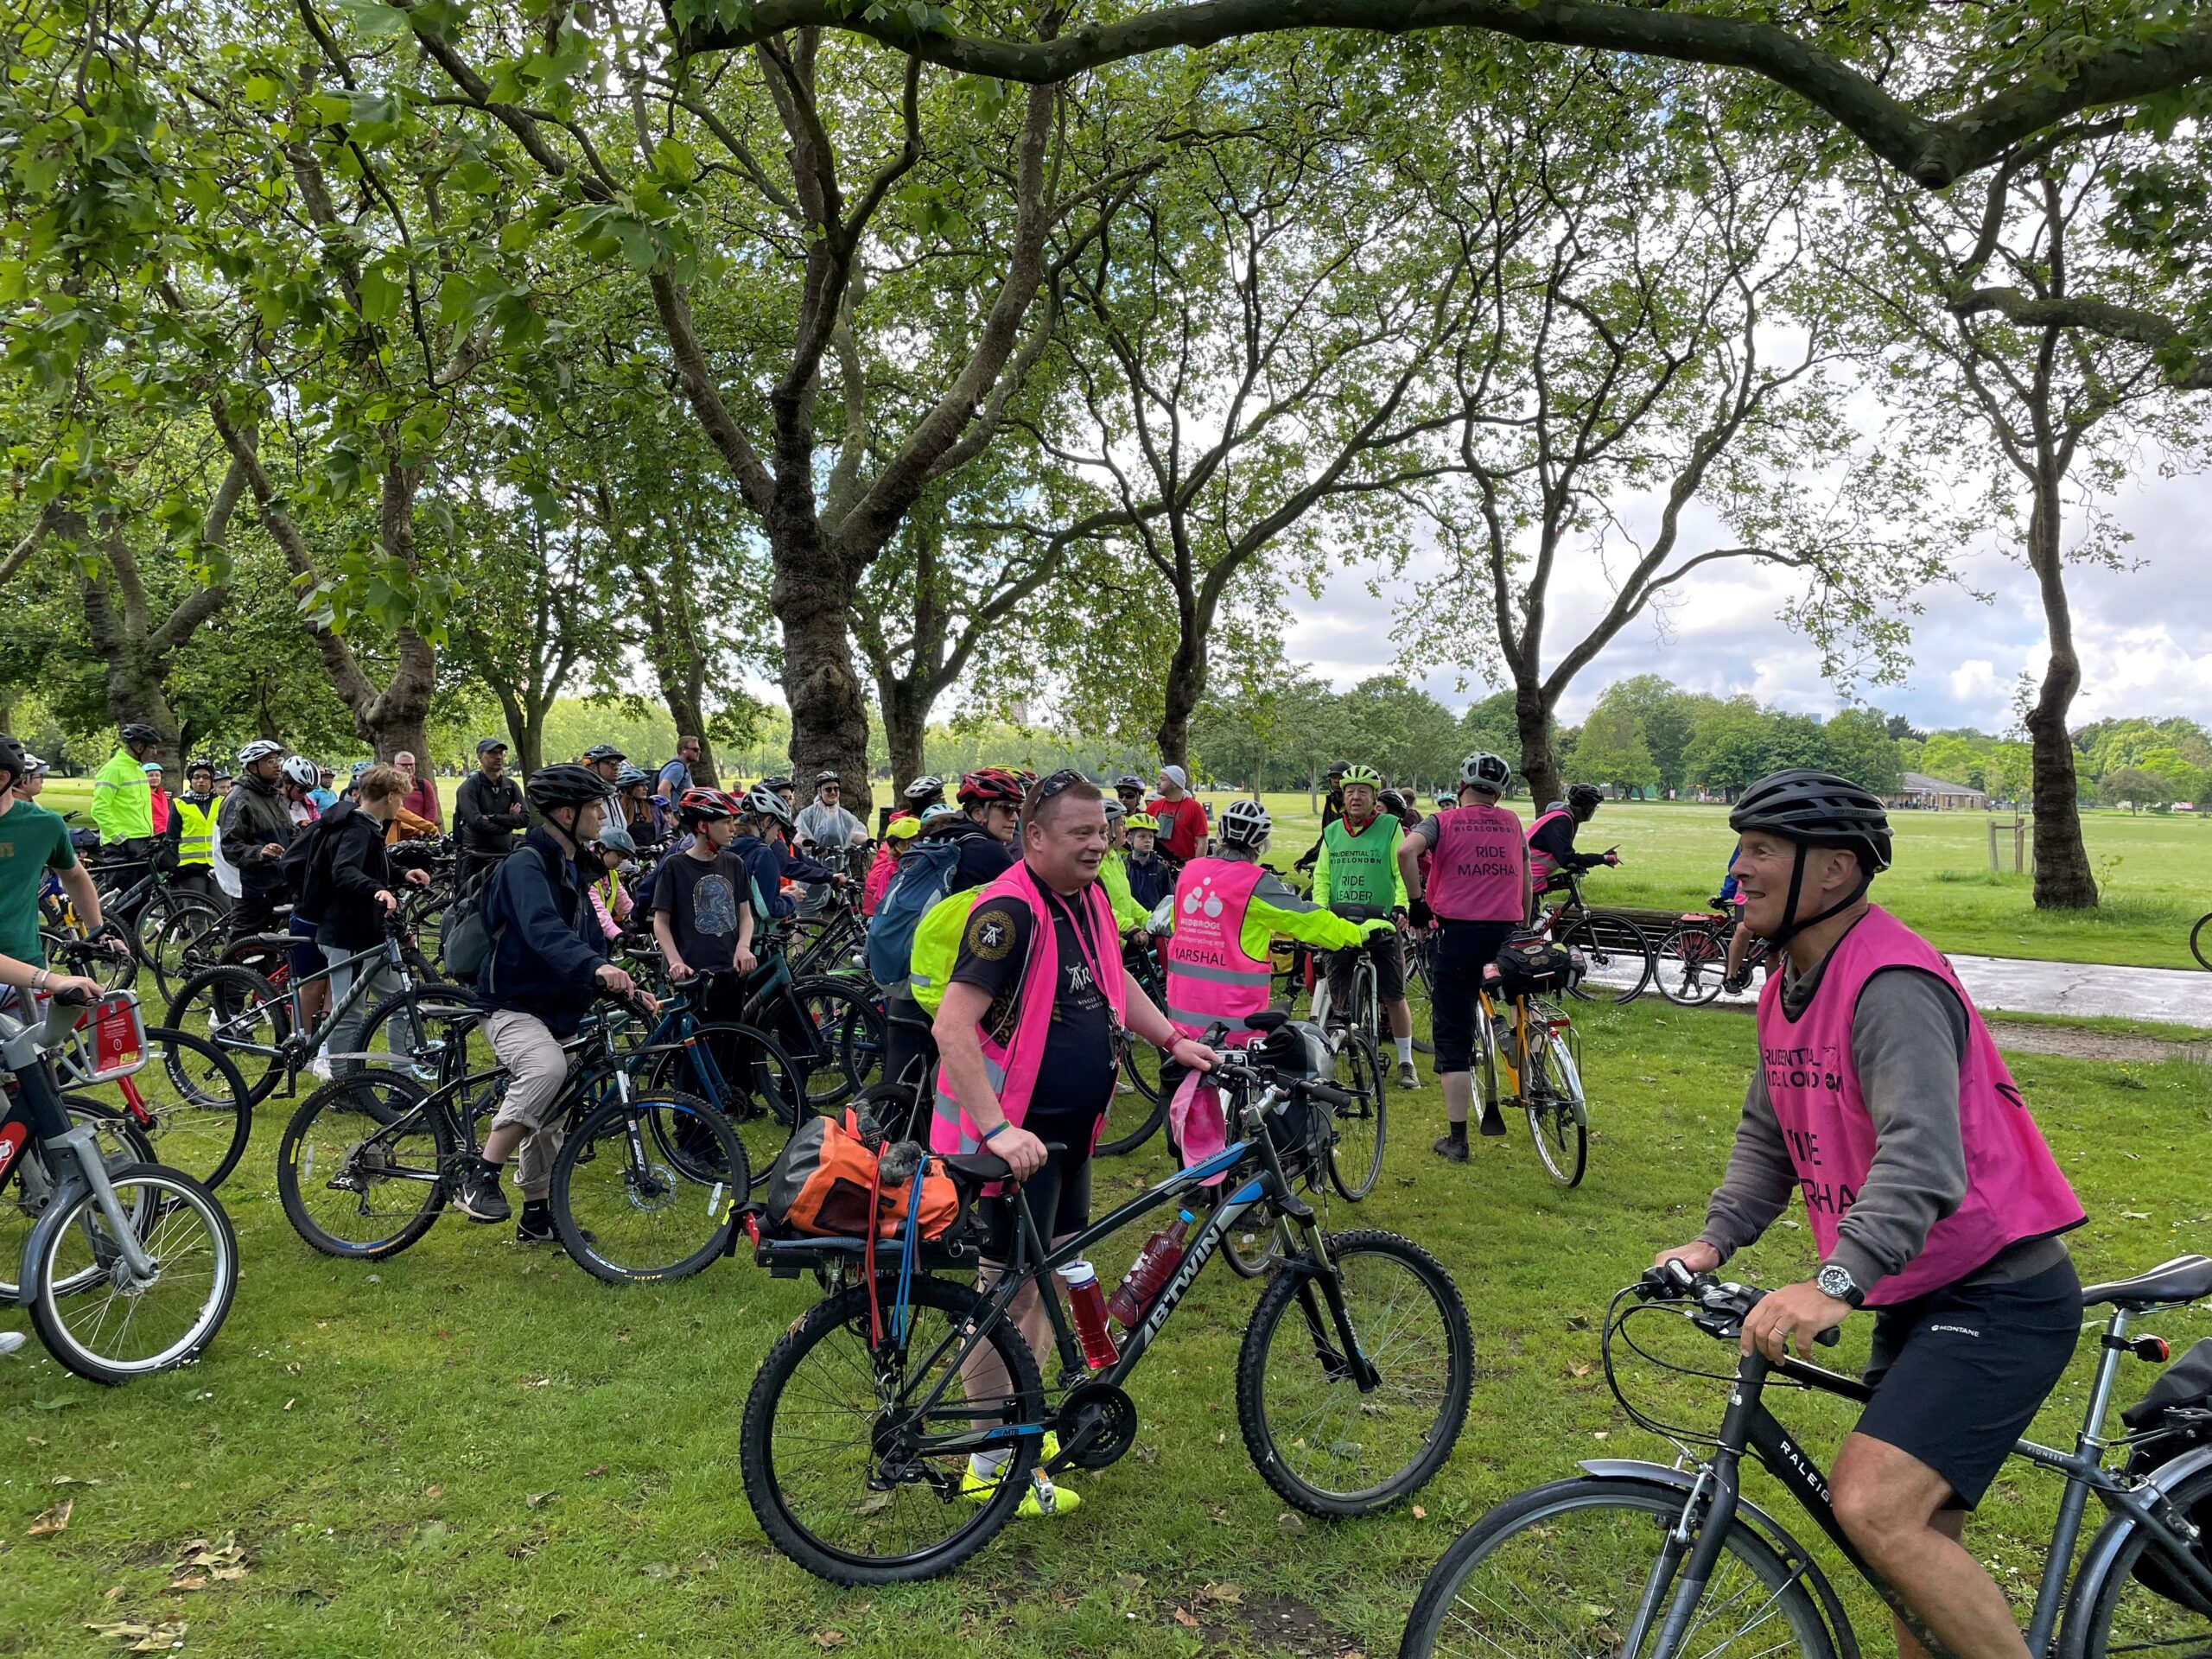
{"x":546,"y":941}
{"x":1151,"y":881}
{"x":769,"y":862}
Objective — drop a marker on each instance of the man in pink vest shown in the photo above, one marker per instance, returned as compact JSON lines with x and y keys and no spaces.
{"x":1476,"y":892}
{"x":1932,"y":1200}
{"x":1026,"y":1040}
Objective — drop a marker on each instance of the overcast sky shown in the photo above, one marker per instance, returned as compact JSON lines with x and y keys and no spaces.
{"x":2144,"y":635}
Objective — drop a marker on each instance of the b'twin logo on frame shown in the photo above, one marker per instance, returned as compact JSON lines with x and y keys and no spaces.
{"x":11,"y":1142}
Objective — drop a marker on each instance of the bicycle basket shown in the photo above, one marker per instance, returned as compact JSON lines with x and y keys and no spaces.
{"x":834,"y":1179}
{"x":111,"y":1039}
{"x":1531,"y":966}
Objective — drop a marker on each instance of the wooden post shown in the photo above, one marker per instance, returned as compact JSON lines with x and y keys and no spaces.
{"x":2020,"y":844}
{"x":1993,"y":847}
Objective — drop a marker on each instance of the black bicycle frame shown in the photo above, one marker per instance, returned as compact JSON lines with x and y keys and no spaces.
{"x":1267,"y":1184}
{"x":1749,"y":1426}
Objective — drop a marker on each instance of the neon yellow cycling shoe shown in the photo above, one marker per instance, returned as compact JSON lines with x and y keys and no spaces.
{"x":980,"y":1487}
{"x":1046,"y":1498}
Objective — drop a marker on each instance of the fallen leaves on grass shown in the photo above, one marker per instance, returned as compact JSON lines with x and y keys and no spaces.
{"x":1291,"y":1521}
{"x":138,"y":1637}
{"x":46,"y":1522}
{"x":202,"y":1564}
{"x":826,"y":1640}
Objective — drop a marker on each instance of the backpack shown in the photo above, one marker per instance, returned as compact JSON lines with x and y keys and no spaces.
{"x":924,"y":876}
{"x":2174,"y":1415}
{"x":464,"y":939}
{"x":1532,"y":965}
{"x":307,"y":847}
{"x":835,"y":1175}
{"x":937,"y":946}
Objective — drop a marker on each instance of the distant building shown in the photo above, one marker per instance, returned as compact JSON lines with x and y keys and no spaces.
{"x":1921,"y":791}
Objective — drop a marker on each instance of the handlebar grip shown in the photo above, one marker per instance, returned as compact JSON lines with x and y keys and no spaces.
{"x":70,"y":997}
{"x":1328,"y":1094}
{"x":1829,"y":1337}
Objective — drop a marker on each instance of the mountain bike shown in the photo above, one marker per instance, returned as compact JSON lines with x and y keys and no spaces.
{"x":645,"y":1188}
{"x":259,"y":1021}
{"x":127,"y":1268}
{"x":830,"y":1027}
{"x":830,"y":941}
{"x":1617,"y":951}
{"x":1692,"y":959}
{"x":1351,"y":1384}
{"x":1537,"y":1055}
{"x":1140,"y":1104}
{"x":1645,"y":1560}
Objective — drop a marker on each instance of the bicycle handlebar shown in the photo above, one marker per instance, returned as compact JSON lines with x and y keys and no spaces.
{"x":1722,"y":1306}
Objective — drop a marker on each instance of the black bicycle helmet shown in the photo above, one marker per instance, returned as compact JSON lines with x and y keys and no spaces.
{"x":1817,"y":809}
{"x":598,"y":751}
{"x":11,"y":759}
{"x":1582,"y":799}
{"x":552,"y":787}
{"x":137,"y":732}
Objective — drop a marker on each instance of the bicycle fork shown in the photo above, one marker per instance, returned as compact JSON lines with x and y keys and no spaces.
{"x":77,"y":1143}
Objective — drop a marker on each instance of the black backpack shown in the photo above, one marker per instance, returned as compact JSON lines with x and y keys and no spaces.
{"x":307,"y":843}
{"x":2172,"y":1417}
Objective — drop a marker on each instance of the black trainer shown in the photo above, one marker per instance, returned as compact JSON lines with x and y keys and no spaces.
{"x":1492,"y":1124}
{"x":477,"y":1195}
{"x":535,"y":1226}
{"x":1451,"y":1148}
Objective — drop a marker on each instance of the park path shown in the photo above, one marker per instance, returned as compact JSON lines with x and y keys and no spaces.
{"x":2176,"y":995}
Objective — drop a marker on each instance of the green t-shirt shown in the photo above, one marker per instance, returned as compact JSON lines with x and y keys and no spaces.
{"x":32,"y":841}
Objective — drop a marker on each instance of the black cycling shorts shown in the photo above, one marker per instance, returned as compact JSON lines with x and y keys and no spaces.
{"x":1389,"y":971}
{"x":1463,"y":950}
{"x":1958,"y":1375}
{"x":1058,"y":1195}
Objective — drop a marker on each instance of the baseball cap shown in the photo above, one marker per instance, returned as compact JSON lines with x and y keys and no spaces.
{"x":485,"y":745}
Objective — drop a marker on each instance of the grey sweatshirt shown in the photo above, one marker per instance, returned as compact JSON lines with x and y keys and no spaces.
{"x":1908,"y":1042}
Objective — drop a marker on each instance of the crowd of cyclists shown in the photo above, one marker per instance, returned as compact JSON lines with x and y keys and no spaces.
{"x":996,"y":907}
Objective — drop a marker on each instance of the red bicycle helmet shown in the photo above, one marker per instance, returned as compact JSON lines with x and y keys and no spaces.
{"x":700,"y":805}
{"x":990,"y":784}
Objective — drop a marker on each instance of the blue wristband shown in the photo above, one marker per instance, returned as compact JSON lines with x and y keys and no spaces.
{"x":997,"y":1128}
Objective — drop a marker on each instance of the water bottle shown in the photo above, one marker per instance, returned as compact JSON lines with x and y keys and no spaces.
{"x":1154,"y":1266}
{"x":1088,"y":1303}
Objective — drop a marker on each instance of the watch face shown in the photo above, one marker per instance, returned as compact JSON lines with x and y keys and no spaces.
{"x":1835,"y":1282}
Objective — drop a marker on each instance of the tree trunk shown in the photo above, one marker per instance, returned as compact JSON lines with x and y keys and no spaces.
{"x":1533,"y":719}
{"x":2063,"y":880}
{"x":1187,"y":684}
{"x":906,"y":717}
{"x":821,"y":686}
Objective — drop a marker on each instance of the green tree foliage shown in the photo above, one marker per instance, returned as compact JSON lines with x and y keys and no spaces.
{"x":1611,"y":749}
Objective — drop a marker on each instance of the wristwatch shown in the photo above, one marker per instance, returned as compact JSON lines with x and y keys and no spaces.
{"x":1834,"y":1280}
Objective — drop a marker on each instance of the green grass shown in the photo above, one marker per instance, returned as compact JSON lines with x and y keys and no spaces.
{"x":2156,"y":1031}
{"x":474,"y":1449}
{"x":2156,"y":874}
{"x":68,"y":795}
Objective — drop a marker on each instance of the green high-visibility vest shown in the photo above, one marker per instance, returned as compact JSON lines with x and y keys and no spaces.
{"x":198,"y":834}
{"x":1362,"y":868}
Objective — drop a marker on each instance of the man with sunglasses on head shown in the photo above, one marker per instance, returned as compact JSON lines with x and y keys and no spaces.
{"x":1025,"y":1036}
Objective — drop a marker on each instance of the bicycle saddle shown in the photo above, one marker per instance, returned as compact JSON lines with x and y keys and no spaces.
{"x":1272,"y":1020}
{"x":985,"y":1166}
{"x":2184,"y":1279}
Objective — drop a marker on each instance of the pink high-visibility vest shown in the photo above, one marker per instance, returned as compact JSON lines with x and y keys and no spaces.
{"x":1477,"y":867}
{"x":1210,"y":977}
{"x":1012,"y":1066}
{"x":2014,"y":1189}
{"x":1539,"y":861}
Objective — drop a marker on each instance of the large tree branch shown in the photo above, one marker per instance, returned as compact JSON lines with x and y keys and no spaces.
{"x":18,"y":556}
{"x":1932,"y":152}
{"x":2185,"y":369}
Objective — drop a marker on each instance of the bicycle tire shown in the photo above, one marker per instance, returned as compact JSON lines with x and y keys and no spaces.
{"x":240,"y":1013}
{"x":764,"y":1103}
{"x":659,"y":1187}
{"x":1617,"y":951}
{"x":1689,"y":964}
{"x":189,"y":941}
{"x":1355,"y":1132}
{"x":33,"y":1187}
{"x":900,"y":1109}
{"x":1253,"y":1242}
{"x":1431,"y":1629}
{"x":2199,"y":942}
{"x":1134,"y":1118}
{"x":201,"y":1110}
{"x":442,"y":1015}
{"x":371,"y":1131}
{"x":846,"y":1045}
{"x":169,"y":1206}
{"x":2155,"y":1618}
{"x":1559,"y":1117}
{"x":1261,"y":1376}
{"x":792,"y":1527}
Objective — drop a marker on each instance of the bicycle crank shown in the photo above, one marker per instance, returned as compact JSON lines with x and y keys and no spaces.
{"x":1097,"y":1425}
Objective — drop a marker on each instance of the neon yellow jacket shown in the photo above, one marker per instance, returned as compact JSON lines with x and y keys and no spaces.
{"x":1273,"y":910}
{"x":1114,"y":876}
{"x":122,"y":801}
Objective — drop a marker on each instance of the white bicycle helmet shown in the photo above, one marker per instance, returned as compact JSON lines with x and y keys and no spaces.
{"x":260,"y":749}
{"x":1481,"y":770}
{"x":1114,"y":808}
{"x":927,"y":787}
{"x":763,"y":802}
{"x":301,"y":770}
{"x":1244,"y":823}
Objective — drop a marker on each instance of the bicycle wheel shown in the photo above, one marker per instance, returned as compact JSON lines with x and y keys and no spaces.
{"x":104,"y":1321}
{"x":189,"y":940}
{"x":362,"y":1167}
{"x":844,"y":1031}
{"x":1133,"y":1118}
{"x":746,"y":1075}
{"x":830,"y":1449}
{"x":1254,"y":1240}
{"x":243,"y":1015}
{"x":631,"y":1208}
{"x":1558,"y":1572}
{"x":423,"y":1032}
{"x":2200,"y":941}
{"x":1367,"y":1001}
{"x":190,"y":1100}
{"x":1325,"y":1447}
{"x":121,"y":1144}
{"x":1355,"y":1131}
{"x":2141,"y":1604}
{"x":1619,"y":954}
{"x":1691,"y":962}
{"x":1558,"y":1118}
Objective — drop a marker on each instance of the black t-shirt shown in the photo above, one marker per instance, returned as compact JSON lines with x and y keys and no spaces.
{"x":703,"y":899}
{"x":1075,"y":1082}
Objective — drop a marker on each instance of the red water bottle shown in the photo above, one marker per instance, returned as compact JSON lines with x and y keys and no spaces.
{"x":1154,"y":1266}
{"x":1088,"y":1302}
